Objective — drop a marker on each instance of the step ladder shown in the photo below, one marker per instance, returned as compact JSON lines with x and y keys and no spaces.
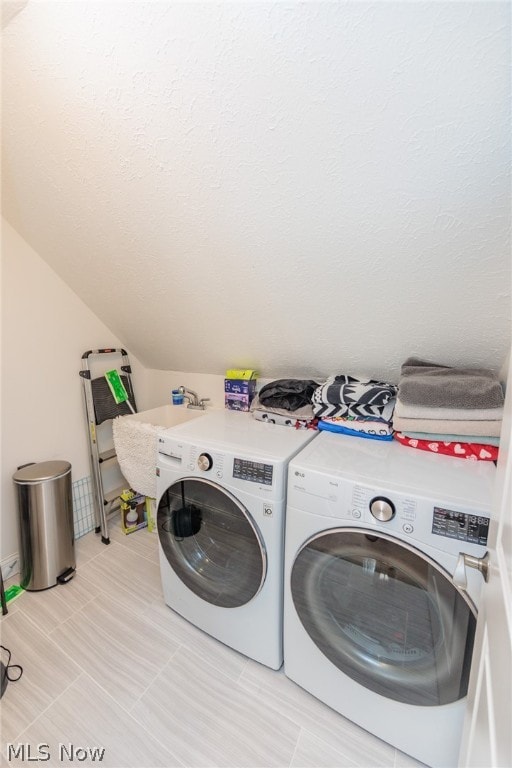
{"x":101,"y":408}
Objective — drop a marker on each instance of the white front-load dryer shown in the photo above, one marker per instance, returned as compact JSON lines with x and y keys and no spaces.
{"x":378,"y":621}
{"x":221,"y":486}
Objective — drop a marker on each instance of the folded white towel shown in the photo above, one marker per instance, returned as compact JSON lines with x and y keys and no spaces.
{"x":404,"y":411}
{"x":136,"y":447}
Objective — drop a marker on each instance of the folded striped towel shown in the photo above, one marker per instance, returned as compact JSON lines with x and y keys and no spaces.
{"x":358,"y":411}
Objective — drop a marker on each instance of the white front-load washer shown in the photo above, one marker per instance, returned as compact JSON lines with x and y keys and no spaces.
{"x":378,"y":623}
{"x":221,"y":486}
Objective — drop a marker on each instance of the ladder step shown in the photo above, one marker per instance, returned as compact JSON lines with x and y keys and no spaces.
{"x":113,"y":494}
{"x":107,"y":455}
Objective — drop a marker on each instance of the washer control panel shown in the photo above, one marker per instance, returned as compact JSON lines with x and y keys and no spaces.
{"x":220,"y":465}
{"x":254,"y":471}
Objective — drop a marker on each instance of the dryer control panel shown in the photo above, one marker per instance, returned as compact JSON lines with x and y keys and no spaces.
{"x":414,"y":517}
{"x":461,"y":526}
{"x":438,"y":501}
{"x":411,"y":512}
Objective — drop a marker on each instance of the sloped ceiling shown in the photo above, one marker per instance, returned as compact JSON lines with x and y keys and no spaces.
{"x":10,"y":8}
{"x":301,"y":187}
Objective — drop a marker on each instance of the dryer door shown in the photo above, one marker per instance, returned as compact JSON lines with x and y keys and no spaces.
{"x":211,"y":542}
{"x":385,"y":615}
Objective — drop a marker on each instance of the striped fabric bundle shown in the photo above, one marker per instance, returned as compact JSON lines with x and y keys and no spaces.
{"x":353,"y":406}
{"x":348,"y":396}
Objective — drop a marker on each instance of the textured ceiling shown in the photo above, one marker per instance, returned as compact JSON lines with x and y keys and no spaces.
{"x":299,"y":187}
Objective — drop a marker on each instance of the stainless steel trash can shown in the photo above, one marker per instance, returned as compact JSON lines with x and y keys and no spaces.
{"x":45,"y":510}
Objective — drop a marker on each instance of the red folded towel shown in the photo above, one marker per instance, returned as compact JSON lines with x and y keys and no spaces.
{"x":471,"y":451}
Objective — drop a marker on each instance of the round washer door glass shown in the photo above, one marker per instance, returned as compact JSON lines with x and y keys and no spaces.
{"x":385,"y":615}
{"x":211,"y":542}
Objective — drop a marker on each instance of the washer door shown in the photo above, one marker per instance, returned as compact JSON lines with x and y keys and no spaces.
{"x":211,"y":542}
{"x":385,"y":615}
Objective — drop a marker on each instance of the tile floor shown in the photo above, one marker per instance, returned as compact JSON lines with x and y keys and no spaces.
{"x":108,"y":665}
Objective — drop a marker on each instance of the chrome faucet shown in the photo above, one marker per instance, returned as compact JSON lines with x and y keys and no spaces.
{"x":193,"y":399}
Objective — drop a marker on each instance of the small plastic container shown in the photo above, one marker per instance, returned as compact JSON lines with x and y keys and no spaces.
{"x":177,"y":397}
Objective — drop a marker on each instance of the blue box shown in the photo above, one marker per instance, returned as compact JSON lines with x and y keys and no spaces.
{"x":240,"y":387}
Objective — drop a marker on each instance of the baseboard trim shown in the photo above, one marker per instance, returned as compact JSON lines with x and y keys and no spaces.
{"x":10,"y":566}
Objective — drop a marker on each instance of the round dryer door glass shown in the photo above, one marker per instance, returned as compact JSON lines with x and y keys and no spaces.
{"x":211,"y":542}
{"x":385,"y":615}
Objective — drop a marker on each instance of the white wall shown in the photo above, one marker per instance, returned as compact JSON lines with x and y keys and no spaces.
{"x":299,"y":187}
{"x":45,"y":330}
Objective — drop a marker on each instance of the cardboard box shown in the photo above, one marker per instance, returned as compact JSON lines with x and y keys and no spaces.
{"x":236,"y":402}
{"x":133,"y":511}
{"x":239,"y":393}
{"x":151,"y":513}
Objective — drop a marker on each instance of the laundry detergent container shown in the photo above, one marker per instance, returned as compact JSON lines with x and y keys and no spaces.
{"x":46,"y":524}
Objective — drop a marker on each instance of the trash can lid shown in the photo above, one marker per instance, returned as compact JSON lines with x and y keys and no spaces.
{"x":45,"y":470}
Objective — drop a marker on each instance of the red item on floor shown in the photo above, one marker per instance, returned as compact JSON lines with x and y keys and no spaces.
{"x":460,"y":450}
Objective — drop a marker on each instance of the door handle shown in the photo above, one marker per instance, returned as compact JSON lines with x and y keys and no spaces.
{"x":480,"y":563}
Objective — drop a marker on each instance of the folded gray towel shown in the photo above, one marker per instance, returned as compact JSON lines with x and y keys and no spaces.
{"x":440,"y":386}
